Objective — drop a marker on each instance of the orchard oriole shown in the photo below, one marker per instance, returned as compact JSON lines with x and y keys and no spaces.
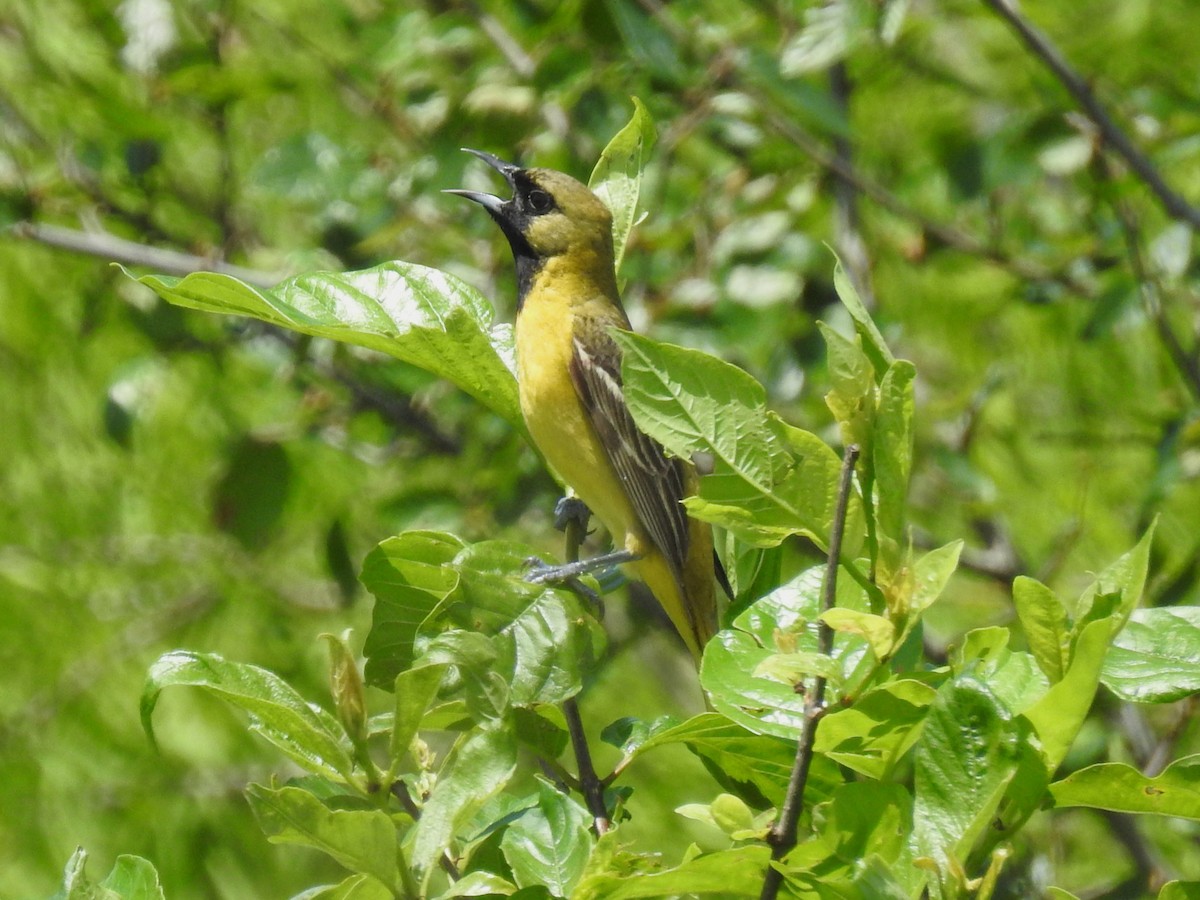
{"x":569,"y":376}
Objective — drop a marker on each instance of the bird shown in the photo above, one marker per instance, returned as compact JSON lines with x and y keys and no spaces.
{"x":570,"y":386}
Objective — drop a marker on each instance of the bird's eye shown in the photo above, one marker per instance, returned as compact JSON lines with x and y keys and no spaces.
{"x":539,"y":201}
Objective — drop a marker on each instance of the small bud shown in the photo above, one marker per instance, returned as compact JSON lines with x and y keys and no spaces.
{"x":346,"y":686}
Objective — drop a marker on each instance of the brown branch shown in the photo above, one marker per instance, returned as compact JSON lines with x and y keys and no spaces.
{"x":782,"y":836}
{"x":1114,"y":136}
{"x":107,"y":246}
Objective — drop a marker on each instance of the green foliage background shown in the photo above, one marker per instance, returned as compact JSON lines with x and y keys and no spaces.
{"x":174,"y":479}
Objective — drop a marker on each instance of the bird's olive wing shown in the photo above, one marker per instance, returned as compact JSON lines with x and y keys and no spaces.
{"x":653,"y":481}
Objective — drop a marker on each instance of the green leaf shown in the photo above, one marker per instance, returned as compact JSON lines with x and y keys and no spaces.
{"x":770,"y":480}
{"x":892,"y":451}
{"x":760,"y":760}
{"x":878,"y":632}
{"x":364,"y":841}
{"x":968,"y":753}
{"x":872,"y":735}
{"x":1044,"y":621}
{"x":831,"y":30}
{"x":415,"y":689}
{"x":550,"y":843}
{"x":864,"y":820}
{"x":1117,"y":786}
{"x":545,"y":636}
{"x":356,"y":887}
{"x":309,"y":736}
{"x":873,"y":343}
{"x":408,"y":576}
{"x":783,"y":622}
{"x":852,"y":394}
{"x":1156,"y":658}
{"x":479,"y":884}
{"x":133,"y":878}
{"x":479,"y":767}
{"x":931,"y":574}
{"x":1126,"y":577}
{"x":617,"y":177}
{"x":1059,"y":714}
{"x":421,"y":316}
{"x":727,"y":873}
{"x":1180,"y":890}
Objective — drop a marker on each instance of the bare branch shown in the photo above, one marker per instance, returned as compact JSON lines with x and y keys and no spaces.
{"x":782,"y":837}
{"x":1114,"y":136}
{"x":103,"y":245}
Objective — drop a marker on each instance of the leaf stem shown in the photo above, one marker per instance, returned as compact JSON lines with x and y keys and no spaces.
{"x":782,"y":836}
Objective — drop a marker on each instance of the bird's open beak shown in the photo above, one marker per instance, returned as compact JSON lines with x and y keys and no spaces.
{"x":490,"y":202}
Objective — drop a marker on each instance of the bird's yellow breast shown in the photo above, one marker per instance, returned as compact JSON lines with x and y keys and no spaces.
{"x":554,"y":414}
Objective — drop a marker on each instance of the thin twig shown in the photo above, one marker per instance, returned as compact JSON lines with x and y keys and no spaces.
{"x":1147,"y":282}
{"x":589,"y":783}
{"x":782,"y":836}
{"x":115,"y":249}
{"x":1114,"y":136}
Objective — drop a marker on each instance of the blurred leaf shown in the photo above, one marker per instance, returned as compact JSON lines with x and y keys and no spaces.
{"x":408,"y":577}
{"x":646,"y":41}
{"x":1171,"y":251}
{"x":831,"y":29}
{"x":306,"y":734}
{"x":1044,"y":621}
{"x":420,"y":316}
{"x":1156,"y":658}
{"x":549,"y":844}
{"x":479,"y":766}
{"x":617,"y":177}
{"x":1117,"y":786}
{"x":872,"y":735}
{"x":249,"y":498}
{"x":364,"y":841}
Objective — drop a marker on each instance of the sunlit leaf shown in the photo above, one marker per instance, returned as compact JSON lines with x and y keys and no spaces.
{"x":306,"y":734}
{"x":416,"y":314}
{"x":617,"y":177}
{"x":1156,"y":658}
{"x":1117,"y":786}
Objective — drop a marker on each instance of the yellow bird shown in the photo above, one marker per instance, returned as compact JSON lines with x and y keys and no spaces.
{"x":569,"y":374}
